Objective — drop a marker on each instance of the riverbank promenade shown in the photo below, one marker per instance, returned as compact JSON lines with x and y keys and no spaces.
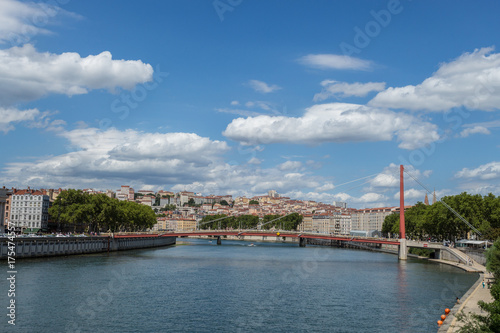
{"x":468,"y":303}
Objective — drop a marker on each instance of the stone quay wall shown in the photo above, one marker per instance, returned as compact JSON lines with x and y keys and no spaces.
{"x":31,"y":247}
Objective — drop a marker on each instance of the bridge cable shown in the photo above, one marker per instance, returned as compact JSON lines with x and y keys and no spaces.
{"x":446,"y":205}
{"x":222,"y":218}
{"x":272,"y":220}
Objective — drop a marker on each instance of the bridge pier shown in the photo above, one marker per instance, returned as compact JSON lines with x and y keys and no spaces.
{"x":403,"y":249}
{"x":302,"y":242}
{"x":219,"y":241}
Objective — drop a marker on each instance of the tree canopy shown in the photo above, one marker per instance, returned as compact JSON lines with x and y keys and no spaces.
{"x":482,"y":212}
{"x":232,"y":222}
{"x":100,"y":213}
{"x":290,"y":222}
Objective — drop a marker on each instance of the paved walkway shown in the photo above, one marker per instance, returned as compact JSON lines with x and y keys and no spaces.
{"x":469,"y":305}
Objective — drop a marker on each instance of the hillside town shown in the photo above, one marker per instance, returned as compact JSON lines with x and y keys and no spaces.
{"x":27,"y":210}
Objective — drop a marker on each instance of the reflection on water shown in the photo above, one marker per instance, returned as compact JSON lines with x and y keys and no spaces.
{"x":197,"y":286}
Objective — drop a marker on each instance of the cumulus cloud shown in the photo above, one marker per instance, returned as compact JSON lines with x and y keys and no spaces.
{"x":371,"y":198}
{"x":32,"y":118}
{"x":413,"y":195}
{"x":290,"y":165}
{"x":180,"y":161}
{"x":474,"y":130}
{"x":479,"y":128}
{"x":325,"y":187}
{"x":103,"y":157}
{"x":26,"y":74}
{"x":389,"y":178}
{"x":263,"y":87}
{"x":472,"y":81}
{"x":10,"y":116}
{"x":336,"y":89}
{"x":335,"y":122}
{"x":487,"y":171}
{"x":19,"y":21}
{"x":334,"y":61}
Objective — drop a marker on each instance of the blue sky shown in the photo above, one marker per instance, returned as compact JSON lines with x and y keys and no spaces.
{"x":240,"y":97}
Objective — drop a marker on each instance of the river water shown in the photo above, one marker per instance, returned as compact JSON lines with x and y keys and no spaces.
{"x":197,"y":286}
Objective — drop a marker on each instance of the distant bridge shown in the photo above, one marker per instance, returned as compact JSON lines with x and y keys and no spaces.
{"x":285,"y":234}
{"x":402,"y":244}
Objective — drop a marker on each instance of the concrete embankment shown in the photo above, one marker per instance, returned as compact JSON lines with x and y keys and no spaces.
{"x":31,"y":247}
{"x":467,"y":305}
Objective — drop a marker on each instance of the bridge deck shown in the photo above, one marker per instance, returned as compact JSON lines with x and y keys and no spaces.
{"x":216,"y":233}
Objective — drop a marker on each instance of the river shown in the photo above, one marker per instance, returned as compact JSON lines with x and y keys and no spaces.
{"x":197,"y":286}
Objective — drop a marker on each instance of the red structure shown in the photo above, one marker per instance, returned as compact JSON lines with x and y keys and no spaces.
{"x":217,"y":233}
{"x":402,"y":234}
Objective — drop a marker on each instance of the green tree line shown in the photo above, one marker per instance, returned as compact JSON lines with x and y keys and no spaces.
{"x":99,"y":212}
{"x":436,"y":221}
{"x":289,"y":222}
{"x":232,"y":222}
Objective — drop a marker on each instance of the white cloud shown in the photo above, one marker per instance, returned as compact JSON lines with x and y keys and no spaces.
{"x":31,"y":118}
{"x":413,"y":195}
{"x":290,"y":165}
{"x":474,"y":130}
{"x":254,"y":160}
{"x":385,"y":180}
{"x":19,"y":21}
{"x":334,"y":61}
{"x":371,"y":198}
{"x":487,"y":171}
{"x":472,"y":81}
{"x":479,"y":128}
{"x":263,"y":87}
{"x":325,"y":187}
{"x":389,"y":178}
{"x":483,"y":179}
{"x":9,"y":116}
{"x":338,"y":89}
{"x":105,"y":159}
{"x":235,"y":103}
{"x":130,"y":145}
{"x":335,"y":122}
{"x":26,"y":74}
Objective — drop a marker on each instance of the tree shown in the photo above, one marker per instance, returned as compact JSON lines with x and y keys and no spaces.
{"x":99,"y":212}
{"x":391,"y":224}
{"x":253,"y":202}
{"x":224,"y":203}
{"x":290,"y":222}
{"x":168,"y":207}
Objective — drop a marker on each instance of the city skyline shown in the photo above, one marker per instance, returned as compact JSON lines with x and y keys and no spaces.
{"x":236,"y":97}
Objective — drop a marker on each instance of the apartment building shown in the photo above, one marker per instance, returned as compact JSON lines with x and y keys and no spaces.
{"x":326,"y":223}
{"x":28,"y":210}
{"x":369,"y":219}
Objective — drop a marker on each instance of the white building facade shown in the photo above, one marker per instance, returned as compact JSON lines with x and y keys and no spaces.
{"x":29,"y":209}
